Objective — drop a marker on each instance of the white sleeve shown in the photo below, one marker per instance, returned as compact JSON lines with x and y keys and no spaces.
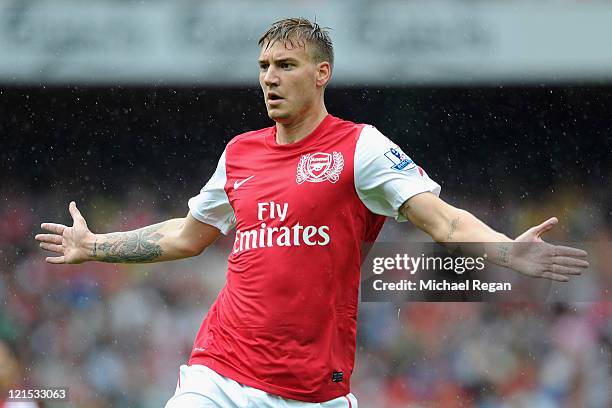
{"x":385,"y":177}
{"x":212,"y":206}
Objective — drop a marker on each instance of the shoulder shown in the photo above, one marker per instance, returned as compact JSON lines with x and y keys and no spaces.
{"x":342,"y":124}
{"x":251,"y":136}
{"x":369,"y":136}
{"x":373,"y":146}
{"x":342,"y":131}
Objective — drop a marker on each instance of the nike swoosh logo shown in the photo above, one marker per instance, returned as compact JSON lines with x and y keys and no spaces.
{"x":237,"y":184}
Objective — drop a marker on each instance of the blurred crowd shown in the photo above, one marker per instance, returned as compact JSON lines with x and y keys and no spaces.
{"x":115,"y":335}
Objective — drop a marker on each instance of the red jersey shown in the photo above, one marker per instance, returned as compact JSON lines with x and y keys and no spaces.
{"x":285,"y":322}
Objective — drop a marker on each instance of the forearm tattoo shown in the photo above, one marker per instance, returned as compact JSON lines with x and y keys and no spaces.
{"x":453,"y":227}
{"x":502,"y":253}
{"x":130,"y":247}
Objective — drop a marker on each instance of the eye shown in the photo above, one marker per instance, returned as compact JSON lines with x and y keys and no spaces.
{"x":286,"y":65}
{"x":263,"y":67}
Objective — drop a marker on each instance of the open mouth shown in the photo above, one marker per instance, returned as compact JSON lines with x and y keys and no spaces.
{"x":274,"y":97}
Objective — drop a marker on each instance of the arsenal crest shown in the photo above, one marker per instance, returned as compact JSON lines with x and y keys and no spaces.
{"x":319,"y":167}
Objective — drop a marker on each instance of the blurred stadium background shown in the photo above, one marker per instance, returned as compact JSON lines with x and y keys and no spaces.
{"x":125,"y":106}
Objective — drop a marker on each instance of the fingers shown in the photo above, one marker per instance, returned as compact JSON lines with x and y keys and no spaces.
{"x":49,"y":238}
{"x":554,"y":276}
{"x":561,"y":250}
{"x":52,"y":242}
{"x":546,"y":226}
{"x":570,"y":262}
{"x":75,"y":213}
{"x":564,"y":267}
{"x":55,"y":259}
{"x":52,"y":247}
{"x":52,"y":227}
{"x":566,"y":270}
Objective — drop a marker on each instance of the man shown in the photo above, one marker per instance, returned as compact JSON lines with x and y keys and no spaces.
{"x":302,"y":195}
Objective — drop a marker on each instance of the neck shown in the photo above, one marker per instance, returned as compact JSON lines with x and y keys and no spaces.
{"x":300,"y":128}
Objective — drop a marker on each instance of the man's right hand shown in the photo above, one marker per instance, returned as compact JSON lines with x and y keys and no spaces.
{"x":73,"y":244}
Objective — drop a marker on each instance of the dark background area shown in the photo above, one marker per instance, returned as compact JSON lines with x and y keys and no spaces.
{"x":485,"y":140}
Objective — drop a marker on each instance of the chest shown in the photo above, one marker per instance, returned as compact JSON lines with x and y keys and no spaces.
{"x":291,"y":187}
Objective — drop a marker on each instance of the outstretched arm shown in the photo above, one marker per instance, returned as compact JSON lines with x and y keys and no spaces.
{"x":173,"y":239}
{"x":447,"y":224}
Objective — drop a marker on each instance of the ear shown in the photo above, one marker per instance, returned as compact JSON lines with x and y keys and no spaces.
{"x":323,"y":73}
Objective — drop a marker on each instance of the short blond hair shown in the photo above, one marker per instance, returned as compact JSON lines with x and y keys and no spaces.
{"x":302,"y":31}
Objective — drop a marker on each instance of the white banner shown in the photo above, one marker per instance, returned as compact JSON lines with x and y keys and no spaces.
{"x":385,"y":42}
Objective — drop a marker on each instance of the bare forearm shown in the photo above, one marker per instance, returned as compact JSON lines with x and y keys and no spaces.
{"x":450,"y":225}
{"x":463,"y":227}
{"x":454,"y":227}
{"x":154,"y":243}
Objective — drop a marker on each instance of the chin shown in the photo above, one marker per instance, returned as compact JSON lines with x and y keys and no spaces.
{"x":277,"y":116}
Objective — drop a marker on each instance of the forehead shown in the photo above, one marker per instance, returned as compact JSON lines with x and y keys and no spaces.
{"x":283,"y":49}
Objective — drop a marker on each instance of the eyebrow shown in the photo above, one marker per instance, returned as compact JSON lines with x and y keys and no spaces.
{"x":279,"y":60}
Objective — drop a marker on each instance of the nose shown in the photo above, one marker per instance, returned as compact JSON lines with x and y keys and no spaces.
{"x":270,"y":77}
